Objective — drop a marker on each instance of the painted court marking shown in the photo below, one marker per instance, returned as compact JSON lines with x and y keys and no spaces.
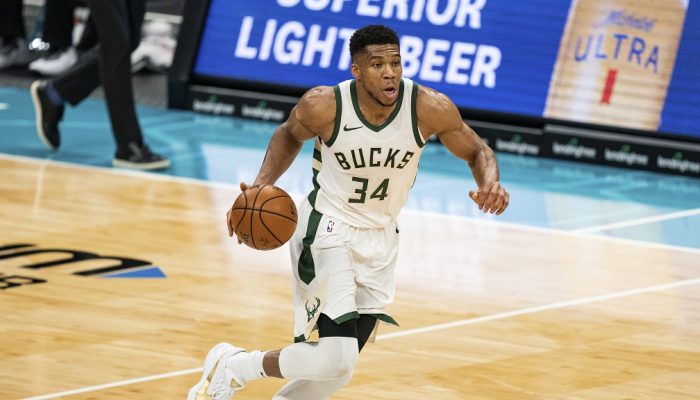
{"x":409,"y":332}
{"x":639,"y":221}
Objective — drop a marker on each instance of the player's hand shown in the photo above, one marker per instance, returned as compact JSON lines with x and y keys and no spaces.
{"x":491,"y":198}
{"x":244,"y":186}
{"x":228,"y":222}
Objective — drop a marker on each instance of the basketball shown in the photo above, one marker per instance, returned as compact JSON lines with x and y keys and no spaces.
{"x":264,"y":217}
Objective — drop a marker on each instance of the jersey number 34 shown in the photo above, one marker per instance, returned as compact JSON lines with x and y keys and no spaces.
{"x":379,"y":193}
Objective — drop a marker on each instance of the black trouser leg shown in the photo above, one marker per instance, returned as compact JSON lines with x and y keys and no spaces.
{"x":81,"y":79}
{"x":89,"y":37}
{"x":118,"y":24}
{"x":11,"y":20}
{"x":58,"y":23}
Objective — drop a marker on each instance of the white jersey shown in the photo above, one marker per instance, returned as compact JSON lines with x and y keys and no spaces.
{"x":363,"y":174}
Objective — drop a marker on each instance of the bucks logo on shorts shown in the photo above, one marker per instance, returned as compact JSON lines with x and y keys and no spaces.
{"x":311,"y":310}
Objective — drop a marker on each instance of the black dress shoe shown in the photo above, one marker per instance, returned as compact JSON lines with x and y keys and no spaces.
{"x":48,"y":115}
{"x":136,"y":156}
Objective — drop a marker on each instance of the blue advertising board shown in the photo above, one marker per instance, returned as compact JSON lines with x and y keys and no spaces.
{"x":504,"y":56}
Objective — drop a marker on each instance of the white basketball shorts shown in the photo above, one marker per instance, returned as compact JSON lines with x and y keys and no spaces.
{"x":340,"y":270}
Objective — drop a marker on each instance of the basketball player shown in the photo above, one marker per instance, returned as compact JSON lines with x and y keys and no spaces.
{"x":369,"y":133}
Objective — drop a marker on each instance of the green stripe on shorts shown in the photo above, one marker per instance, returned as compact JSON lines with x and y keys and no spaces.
{"x":300,"y":338}
{"x":346,"y":317}
{"x":307,"y":269}
{"x":385,"y":318}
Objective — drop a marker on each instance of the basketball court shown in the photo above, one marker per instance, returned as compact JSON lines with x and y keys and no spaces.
{"x":115,"y":284}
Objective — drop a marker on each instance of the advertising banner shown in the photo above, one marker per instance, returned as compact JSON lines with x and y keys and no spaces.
{"x":624,"y":63}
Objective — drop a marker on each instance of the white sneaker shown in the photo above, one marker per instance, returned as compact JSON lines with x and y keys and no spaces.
{"x":55,"y":64}
{"x":15,"y":54}
{"x":218,"y":382}
{"x":154,"y":53}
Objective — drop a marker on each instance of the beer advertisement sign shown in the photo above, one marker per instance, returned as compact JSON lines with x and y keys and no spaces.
{"x":622,"y":63}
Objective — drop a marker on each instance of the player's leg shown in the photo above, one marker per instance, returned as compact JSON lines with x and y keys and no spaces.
{"x":304,"y":389}
{"x":227,"y":369}
{"x":334,"y":312}
{"x":381,"y":247}
{"x":326,"y":285}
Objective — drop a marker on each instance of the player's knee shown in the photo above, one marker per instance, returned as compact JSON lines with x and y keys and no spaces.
{"x":340,"y":356}
{"x":346,"y":366}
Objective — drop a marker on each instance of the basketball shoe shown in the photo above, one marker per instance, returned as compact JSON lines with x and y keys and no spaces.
{"x":48,"y":115}
{"x":218,"y":382}
{"x":139,"y":156}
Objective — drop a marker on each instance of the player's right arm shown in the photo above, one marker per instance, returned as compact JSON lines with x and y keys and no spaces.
{"x":313,"y":116}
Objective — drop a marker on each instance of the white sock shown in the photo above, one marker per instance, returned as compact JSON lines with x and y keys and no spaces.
{"x":247,"y":365}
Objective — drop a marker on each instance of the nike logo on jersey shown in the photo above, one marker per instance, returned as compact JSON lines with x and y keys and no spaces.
{"x":346,"y":129}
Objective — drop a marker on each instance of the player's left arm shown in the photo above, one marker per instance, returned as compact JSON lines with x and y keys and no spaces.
{"x":438,"y":115}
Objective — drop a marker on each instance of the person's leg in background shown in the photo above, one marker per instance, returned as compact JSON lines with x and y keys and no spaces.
{"x":11,"y":22}
{"x":108,"y":64}
{"x":117,"y":22}
{"x":57,"y":32}
{"x":13,"y":46}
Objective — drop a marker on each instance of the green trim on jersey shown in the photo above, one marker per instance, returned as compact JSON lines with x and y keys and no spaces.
{"x":414,"y":116}
{"x":347,"y":317}
{"x":338,"y":114}
{"x":318,"y":157}
{"x":312,"y":196}
{"x":300,"y":338}
{"x":306,"y":266}
{"x":385,"y":318}
{"x":356,"y":106}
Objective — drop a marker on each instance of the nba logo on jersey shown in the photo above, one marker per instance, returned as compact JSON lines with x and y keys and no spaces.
{"x":329,"y":228}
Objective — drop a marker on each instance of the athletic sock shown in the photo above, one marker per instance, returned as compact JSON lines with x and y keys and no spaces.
{"x":248,"y":366}
{"x":53,"y":94}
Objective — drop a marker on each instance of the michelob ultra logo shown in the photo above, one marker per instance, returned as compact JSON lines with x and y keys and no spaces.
{"x":606,"y":42}
{"x":615,"y":62}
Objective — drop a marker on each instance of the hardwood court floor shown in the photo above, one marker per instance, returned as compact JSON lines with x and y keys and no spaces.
{"x":487,"y":310}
